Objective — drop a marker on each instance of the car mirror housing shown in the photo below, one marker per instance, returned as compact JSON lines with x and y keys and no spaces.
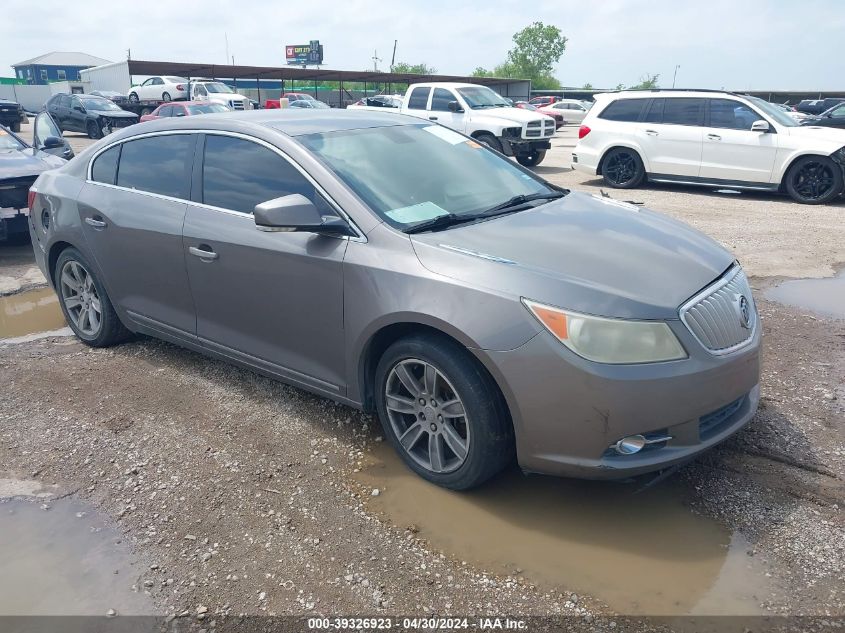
{"x":454,"y":106}
{"x":296,"y":213}
{"x":760,"y":126}
{"x":52,"y":142}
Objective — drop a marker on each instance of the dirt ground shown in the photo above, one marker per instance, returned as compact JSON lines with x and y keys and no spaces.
{"x":240,"y":495}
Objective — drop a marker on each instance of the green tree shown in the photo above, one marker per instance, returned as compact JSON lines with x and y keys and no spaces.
{"x":413,"y":69}
{"x":647,"y":82}
{"x":536,"y":50}
{"x":587,"y":86}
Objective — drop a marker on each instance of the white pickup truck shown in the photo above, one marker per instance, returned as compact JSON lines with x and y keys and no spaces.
{"x":479,"y":112}
{"x":218,"y":92}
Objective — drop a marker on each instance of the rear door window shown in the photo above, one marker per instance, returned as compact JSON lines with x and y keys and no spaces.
{"x":683,"y":111}
{"x":238,"y":174}
{"x":419,"y":98}
{"x":158,"y":164}
{"x":624,"y":110}
{"x":654,"y":114}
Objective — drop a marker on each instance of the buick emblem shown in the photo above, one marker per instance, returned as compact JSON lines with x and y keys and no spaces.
{"x":744,"y":309}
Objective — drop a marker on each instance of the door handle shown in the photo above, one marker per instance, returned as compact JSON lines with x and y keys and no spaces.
{"x":202,"y":253}
{"x":714,"y":137}
{"x":97,"y":224}
{"x":432,"y":118}
{"x":652,"y":132}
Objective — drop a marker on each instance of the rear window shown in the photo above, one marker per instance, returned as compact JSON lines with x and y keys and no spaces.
{"x":419,"y":98}
{"x":158,"y":164}
{"x":683,"y":111}
{"x":623,"y":110}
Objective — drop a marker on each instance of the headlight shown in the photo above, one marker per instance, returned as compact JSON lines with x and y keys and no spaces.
{"x":613,"y":341}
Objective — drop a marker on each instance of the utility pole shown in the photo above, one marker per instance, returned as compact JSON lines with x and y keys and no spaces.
{"x":675,"y":75}
{"x":376,"y":59}
{"x":128,"y":53}
{"x":226,"y":36}
{"x":393,"y":59}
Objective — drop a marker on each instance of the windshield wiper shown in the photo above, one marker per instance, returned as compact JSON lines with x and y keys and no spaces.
{"x":441,"y":222}
{"x":518,"y":201}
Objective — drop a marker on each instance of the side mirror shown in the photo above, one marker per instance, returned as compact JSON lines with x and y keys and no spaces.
{"x":297,"y":213}
{"x":454,"y":106}
{"x":79,"y":108}
{"x":52,"y":142}
{"x":760,"y":126}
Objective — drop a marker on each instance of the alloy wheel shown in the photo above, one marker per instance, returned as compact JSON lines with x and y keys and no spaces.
{"x":620,"y":168}
{"x":427,"y":416}
{"x":813,"y":181}
{"x":80,"y":298}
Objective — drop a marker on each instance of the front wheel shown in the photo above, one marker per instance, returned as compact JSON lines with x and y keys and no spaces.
{"x":84,"y":302}
{"x":814,"y":180}
{"x":623,"y":168}
{"x":490,"y":141}
{"x":94,"y":130}
{"x":16,"y":127}
{"x":133,"y":97}
{"x":442,"y":412}
{"x":532,"y":159}
{"x":165,"y":96}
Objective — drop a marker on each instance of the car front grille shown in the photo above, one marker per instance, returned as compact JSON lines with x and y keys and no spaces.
{"x":714,"y":421}
{"x":14,"y":192}
{"x":236,"y":104}
{"x":723,"y":318}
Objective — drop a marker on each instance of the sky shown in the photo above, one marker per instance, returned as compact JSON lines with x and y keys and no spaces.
{"x":731,"y":44}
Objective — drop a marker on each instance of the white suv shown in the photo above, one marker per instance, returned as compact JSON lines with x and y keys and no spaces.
{"x":710,"y":138}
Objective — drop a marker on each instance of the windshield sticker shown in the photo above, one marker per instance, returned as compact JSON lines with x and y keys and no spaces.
{"x":416,"y":213}
{"x":450,"y":136}
{"x":473,"y":144}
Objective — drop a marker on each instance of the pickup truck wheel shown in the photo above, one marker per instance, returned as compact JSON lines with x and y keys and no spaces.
{"x":442,"y":412}
{"x":133,"y":97}
{"x":532,"y":159}
{"x":814,"y":180}
{"x":165,"y":96}
{"x":16,"y":126}
{"x":94,"y":130}
{"x":623,"y":168}
{"x":490,"y":141}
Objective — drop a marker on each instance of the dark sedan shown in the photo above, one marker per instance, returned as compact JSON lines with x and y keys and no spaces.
{"x":93,"y":115}
{"x":835,"y":117}
{"x":11,"y":115}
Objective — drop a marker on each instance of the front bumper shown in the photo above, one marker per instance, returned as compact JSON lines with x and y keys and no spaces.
{"x":514,"y":147}
{"x":567,"y":411}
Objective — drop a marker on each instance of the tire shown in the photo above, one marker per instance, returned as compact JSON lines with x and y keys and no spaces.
{"x":109,"y":329}
{"x":15,"y":127}
{"x":462,"y":385}
{"x":165,"y":96}
{"x":626,"y":168}
{"x":490,"y":141}
{"x":133,"y":97}
{"x":93,"y":130}
{"x":814,"y":180}
{"x":533,"y":159}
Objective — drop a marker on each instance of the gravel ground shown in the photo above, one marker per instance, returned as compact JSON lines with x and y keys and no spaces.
{"x":237,"y":493}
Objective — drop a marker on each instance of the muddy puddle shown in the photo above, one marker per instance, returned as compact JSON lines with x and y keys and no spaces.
{"x":65,"y":560}
{"x":643,"y":553}
{"x":825,"y":297}
{"x":29,"y":313}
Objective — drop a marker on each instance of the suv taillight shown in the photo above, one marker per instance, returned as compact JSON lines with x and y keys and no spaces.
{"x":180,"y":87}
{"x":583,"y":131}
{"x":30,"y":199}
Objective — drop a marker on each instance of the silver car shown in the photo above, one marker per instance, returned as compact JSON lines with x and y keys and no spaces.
{"x":399,"y":267}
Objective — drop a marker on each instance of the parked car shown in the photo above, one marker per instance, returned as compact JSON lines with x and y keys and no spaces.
{"x":12,"y":115}
{"x":798,"y":116}
{"x":161,"y":88}
{"x":572,"y":109}
{"x":835,"y":117}
{"x":119,"y":98}
{"x":218,"y":92}
{"x":20,"y":165}
{"x":559,"y":120}
{"x":95,"y":116}
{"x":312,"y":104}
{"x":184,"y":108}
{"x":377,"y":102}
{"x":480,"y":113}
{"x":817,"y":106}
{"x":297,"y":96}
{"x":418,"y":275}
{"x":709,"y":138}
{"x":542,"y":101}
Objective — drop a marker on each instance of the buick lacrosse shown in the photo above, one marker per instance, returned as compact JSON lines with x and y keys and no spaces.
{"x":401,"y":268}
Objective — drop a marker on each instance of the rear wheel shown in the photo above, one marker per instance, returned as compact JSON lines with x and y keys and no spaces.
{"x":490,"y":141}
{"x":165,"y":96}
{"x":94,"y":130}
{"x":84,"y":302}
{"x":532,"y":159}
{"x":623,"y":168}
{"x":133,"y":97}
{"x":16,"y":126}
{"x":442,"y":412}
{"x":814,"y":180}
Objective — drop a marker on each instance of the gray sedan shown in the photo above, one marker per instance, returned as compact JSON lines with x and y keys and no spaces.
{"x":399,"y":267}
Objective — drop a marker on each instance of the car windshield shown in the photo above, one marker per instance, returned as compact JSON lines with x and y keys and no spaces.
{"x":218,"y":87}
{"x":780,"y":117}
{"x":478,"y":97}
{"x":101,"y":105}
{"x":410,"y":174}
{"x":8,"y":142}
{"x":207,"y":108}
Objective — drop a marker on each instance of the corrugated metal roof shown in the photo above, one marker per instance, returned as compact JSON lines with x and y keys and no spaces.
{"x":58,"y":58}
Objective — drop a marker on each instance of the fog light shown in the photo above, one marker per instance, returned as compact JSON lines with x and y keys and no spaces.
{"x":630,"y":445}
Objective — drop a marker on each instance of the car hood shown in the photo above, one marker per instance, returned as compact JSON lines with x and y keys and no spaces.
{"x":517,"y":115}
{"x":808,"y":130}
{"x":585,"y":253}
{"x":27,"y":162}
{"x":114,"y":114}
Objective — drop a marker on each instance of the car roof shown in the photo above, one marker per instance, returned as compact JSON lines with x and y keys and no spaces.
{"x":288,"y":121}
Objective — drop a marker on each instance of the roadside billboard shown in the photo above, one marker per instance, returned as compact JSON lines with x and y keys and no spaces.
{"x":304,"y":54}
